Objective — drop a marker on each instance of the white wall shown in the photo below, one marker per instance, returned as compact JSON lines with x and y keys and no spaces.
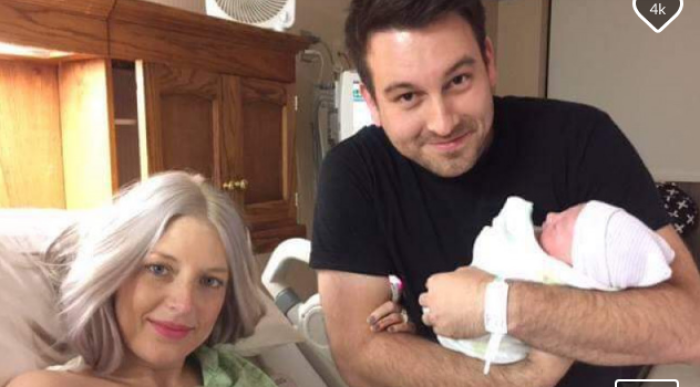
{"x":604,"y":55}
{"x":521,"y":47}
{"x":189,"y":5}
{"x":491,"y":7}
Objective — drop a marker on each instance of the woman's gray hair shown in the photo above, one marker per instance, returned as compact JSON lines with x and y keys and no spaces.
{"x":91,"y":260}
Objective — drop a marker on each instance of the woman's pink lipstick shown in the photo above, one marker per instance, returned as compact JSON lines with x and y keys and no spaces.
{"x":170,"y":330}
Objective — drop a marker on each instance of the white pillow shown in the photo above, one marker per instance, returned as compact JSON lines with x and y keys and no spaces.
{"x":31,"y":230}
{"x":29,"y":324}
{"x":272,"y":330}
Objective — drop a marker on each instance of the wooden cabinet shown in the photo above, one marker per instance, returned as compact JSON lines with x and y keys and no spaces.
{"x":56,"y":134}
{"x":157,"y":89}
{"x":186,"y":114}
{"x":31,"y":88}
{"x":236,"y":131}
{"x":266,"y":148}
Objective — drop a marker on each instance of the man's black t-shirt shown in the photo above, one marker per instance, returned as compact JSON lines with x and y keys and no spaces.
{"x":380,"y":213}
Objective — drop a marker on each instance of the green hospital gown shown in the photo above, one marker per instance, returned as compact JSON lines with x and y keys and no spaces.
{"x":221,"y":367}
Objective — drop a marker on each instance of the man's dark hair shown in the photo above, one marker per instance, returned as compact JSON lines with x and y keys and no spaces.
{"x":368,"y":16}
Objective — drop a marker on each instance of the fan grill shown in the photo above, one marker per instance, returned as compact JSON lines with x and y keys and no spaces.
{"x":251,"y":11}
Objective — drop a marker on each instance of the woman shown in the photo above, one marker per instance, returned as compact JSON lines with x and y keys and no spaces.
{"x":149,"y":285}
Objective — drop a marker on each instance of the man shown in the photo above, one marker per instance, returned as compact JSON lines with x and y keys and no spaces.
{"x":409,"y":196}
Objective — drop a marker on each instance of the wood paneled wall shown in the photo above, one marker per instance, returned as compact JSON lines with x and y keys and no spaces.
{"x":31,"y":166}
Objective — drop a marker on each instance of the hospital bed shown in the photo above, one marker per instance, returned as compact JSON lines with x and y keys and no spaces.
{"x":29,"y":324}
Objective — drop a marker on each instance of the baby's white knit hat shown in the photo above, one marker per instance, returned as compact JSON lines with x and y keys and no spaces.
{"x":617,"y":249}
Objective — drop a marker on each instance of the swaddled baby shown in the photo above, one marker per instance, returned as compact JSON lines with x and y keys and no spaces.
{"x":589,"y":246}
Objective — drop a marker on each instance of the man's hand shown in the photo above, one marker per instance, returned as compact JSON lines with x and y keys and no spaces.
{"x":454,"y":303}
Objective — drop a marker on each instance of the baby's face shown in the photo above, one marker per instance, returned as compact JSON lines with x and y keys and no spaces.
{"x":558,"y":233}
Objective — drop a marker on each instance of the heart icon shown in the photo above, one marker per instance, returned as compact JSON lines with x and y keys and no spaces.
{"x":658,"y":14}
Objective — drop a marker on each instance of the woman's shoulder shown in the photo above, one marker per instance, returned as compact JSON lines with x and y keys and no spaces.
{"x":47,"y":378}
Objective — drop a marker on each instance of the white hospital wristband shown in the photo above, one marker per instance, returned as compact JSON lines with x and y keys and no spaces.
{"x":496,"y":307}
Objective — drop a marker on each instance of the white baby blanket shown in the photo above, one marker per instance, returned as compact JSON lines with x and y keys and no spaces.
{"x":509,"y":249}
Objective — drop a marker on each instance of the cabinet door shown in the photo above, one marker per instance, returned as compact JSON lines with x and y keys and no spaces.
{"x":31,"y":165}
{"x":263,"y":178}
{"x":238,"y":132}
{"x":182,"y":114}
{"x":56,"y":134}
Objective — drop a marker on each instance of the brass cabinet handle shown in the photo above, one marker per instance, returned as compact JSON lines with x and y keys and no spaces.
{"x":236,"y":185}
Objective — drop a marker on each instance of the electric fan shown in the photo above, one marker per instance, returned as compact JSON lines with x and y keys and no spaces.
{"x":274,"y":14}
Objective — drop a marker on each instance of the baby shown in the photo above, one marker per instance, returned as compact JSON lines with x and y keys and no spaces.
{"x":589,"y":246}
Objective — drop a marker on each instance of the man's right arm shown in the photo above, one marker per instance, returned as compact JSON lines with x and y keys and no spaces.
{"x":384,"y":359}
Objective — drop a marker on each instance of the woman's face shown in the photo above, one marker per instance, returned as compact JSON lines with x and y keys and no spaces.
{"x":169,"y":307}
